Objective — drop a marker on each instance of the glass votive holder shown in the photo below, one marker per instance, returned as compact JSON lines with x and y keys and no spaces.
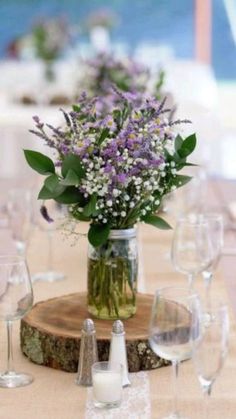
{"x":107,"y":384}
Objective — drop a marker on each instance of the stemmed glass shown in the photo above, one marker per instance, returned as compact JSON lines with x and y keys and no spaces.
{"x":210,"y":348}
{"x":55,"y":213}
{"x":16,"y":299}
{"x":174,"y":323}
{"x":191,"y":251}
{"x":216,"y":234}
{"x":19,"y":208}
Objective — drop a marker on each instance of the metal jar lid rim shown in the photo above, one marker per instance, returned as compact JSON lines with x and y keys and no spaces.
{"x":123,"y":233}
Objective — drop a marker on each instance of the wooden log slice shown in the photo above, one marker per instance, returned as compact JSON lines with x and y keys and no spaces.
{"x":50,"y":334}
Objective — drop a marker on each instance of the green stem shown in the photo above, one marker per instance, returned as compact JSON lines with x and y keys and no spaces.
{"x":111,"y":281}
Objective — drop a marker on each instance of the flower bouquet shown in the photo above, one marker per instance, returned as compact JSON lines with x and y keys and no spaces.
{"x":113,"y":172}
{"x":105,"y":70}
{"x":49,"y":39}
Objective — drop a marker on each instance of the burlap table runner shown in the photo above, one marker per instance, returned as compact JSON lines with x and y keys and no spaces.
{"x":54,"y":395}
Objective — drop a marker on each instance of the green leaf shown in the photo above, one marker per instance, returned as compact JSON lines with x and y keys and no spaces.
{"x":44,"y":194}
{"x":117,"y":116}
{"x":72,"y":162}
{"x":168,"y":156}
{"x":90,"y":208}
{"x":160,"y":81}
{"x":103,"y":135}
{"x":188,"y":146}
{"x":52,"y":184}
{"x":158,"y":196}
{"x":175,"y":157}
{"x":39,"y":162}
{"x":71,"y":195}
{"x":76,"y":108}
{"x":124,"y":113}
{"x":178,"y":142}
{"x":156,"y":222}
{"x":181,"y":180}
{"x":81,"y":217}
{"x":191,"y":164}
{"x":98,"y":234}
{"x":71,"y":179}
{"x":78,"y":215}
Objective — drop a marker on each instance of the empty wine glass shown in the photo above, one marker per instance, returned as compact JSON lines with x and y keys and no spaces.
{"x":174,"y":323}
{"x":191,"y":247}
{"x":16,"y":299}
{"x":55,"y":214}
{"x":4,"y":219}
{"x":216,"y":234}
{"x":19,"y":208}
{"x":210,"y":348}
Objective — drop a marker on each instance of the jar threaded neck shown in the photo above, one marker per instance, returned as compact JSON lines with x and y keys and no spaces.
{"x":127,"y":233}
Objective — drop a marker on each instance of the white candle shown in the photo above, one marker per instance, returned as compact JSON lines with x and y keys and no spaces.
{"x":107,"y":387}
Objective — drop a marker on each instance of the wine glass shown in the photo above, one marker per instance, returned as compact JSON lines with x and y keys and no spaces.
{"x":16,"y":299}
{"x":191,"y":247}
{"x":55,"y":214}
{"x":210,"y":348}
{"x":174,"y":323}
{"x":19,"y":208}
{"x":216,"y":234}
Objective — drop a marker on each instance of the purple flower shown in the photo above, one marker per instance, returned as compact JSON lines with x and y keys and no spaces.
{"x":121,"y":178}
{"x":108,"y":168}
{"x":39,"y":124}
{"x":44,"y":213}
{"x":36,"y":119}
{"x":134,"y":171}
{"x":109,"y":122}
{"x":111,"y":150}
{"x":64,"y":149}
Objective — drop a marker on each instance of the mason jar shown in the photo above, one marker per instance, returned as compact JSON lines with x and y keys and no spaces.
{"x":112,"y":276}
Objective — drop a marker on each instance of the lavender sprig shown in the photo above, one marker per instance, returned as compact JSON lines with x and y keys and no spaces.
{"x":44,"y":213}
